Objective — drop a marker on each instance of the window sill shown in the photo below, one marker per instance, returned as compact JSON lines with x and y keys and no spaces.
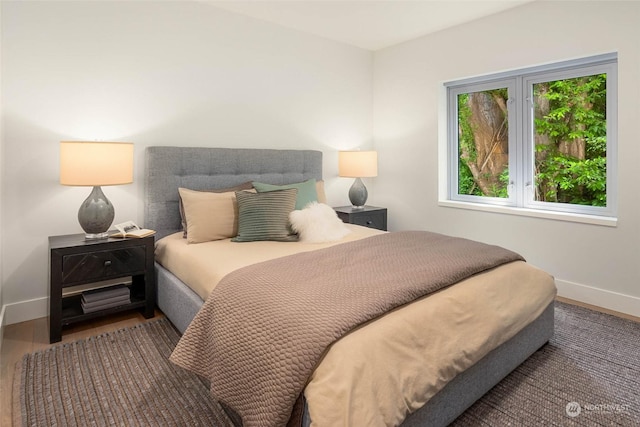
{"x":534,"y":213}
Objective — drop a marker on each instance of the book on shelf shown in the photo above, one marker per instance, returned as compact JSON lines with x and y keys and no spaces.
{"x":121,"y":298}
{"x":130,"y":229}
{"x":103,"y":305}
{"x":102,"y":294}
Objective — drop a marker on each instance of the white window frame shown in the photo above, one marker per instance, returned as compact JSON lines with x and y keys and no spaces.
{"x":521,"y":141}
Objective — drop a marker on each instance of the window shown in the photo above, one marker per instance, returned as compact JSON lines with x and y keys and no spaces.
{"x":543,"y":138}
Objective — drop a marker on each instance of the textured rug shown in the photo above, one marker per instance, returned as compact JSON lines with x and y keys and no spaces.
{"x":588,"y":375}
{"x":121,"y":378}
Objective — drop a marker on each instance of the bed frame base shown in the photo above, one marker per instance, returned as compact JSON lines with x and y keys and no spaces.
{"x":175,"y":299}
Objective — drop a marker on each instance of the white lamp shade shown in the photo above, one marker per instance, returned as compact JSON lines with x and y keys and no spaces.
{"x":89,"y":163}
{"x":358,"y":164}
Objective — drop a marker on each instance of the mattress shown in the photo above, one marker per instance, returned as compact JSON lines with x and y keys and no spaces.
{"x":385,"y":370}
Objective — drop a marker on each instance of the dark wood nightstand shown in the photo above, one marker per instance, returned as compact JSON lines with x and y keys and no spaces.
{"x":369,"y":216}
{"x":74,"y":261}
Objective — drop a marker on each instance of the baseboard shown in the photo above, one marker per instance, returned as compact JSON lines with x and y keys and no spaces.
{"x":621,"y":303}
{"x":26,"y":310}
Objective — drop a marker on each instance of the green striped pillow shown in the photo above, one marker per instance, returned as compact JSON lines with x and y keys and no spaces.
{"x":265,"y":216}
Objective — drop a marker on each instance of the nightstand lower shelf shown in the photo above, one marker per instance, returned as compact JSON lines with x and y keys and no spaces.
{"x":72,"y":311}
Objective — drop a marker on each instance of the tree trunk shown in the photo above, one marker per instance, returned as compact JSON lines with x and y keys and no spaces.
{"x":542,"y":108}
{"x":577,"y":147}
{"x":490,"y":130}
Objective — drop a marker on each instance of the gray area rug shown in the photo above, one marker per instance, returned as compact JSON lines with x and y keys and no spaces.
{"x":121,"y":378}
{"x":587,"y":375}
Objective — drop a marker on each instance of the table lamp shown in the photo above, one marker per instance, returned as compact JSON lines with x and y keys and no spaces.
{"x":358,"y":164}
{"x":94,"y":164}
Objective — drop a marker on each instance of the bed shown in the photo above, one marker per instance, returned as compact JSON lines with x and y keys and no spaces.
{"x":169,"y":168}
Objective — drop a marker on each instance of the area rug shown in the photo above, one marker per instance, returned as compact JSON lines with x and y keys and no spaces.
{"x":121,"y":378}
{"x":587,"y":375}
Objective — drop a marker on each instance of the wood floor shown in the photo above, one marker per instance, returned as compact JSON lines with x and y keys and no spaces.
{"x":27,"y":337}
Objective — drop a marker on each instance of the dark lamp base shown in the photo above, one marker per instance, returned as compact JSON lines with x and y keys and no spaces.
{"x":96,"y":215}
{"x":358,"y":194}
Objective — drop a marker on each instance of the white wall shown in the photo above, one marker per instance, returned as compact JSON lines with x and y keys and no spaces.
{"x":594,"y":264}
{"x":1,"y":190}
{"x":181,"y":73}
{"x":154,"y":73}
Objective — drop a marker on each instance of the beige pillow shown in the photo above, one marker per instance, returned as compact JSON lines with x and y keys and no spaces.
{"x":322,"y":197}
{"x":209,"y":216}
{"x":244,"y":186}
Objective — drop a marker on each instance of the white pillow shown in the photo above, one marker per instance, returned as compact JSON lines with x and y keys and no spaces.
{"x":317,"y":223}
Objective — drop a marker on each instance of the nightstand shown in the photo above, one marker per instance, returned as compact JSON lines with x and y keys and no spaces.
{"x":76,"y":265}
{"x":369,"y":216}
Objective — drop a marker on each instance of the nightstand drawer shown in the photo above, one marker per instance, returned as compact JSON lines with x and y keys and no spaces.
{"x":367,"y":216}
{"x":101,"y":265}
{"x":372,"y":221}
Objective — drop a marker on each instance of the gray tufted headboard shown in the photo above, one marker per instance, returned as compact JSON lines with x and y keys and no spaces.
{"x":167,"y":168}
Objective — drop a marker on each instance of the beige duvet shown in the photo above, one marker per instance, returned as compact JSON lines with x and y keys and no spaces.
{"x":202,"y":265}
{"x":381,"y":372}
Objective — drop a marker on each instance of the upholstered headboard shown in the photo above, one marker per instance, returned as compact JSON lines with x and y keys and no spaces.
{"x":167,"y":168}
